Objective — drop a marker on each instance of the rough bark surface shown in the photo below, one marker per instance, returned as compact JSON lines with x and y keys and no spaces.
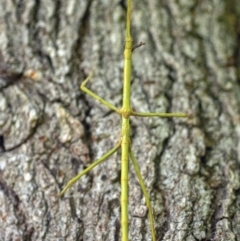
{"x":50,"y":130}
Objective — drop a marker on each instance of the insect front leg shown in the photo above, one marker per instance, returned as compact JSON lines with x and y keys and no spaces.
{"x":96,"y":97}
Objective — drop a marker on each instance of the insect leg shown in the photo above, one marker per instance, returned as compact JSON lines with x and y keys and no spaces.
{"x":145,"y":193}
{"x":85,"y":171}
{"x":104,"y":102}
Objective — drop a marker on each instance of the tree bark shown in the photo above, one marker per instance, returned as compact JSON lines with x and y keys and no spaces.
{"x":50,"y":130}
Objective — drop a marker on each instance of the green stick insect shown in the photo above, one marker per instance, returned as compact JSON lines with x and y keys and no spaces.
{"x":124,"y":143}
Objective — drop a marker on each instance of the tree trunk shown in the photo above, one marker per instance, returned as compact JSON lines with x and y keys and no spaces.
{"x":50,"y":130}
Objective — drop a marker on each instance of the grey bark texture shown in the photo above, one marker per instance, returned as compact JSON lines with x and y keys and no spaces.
{"x":50,"y":130}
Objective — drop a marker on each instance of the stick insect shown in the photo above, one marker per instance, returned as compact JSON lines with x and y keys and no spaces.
{"x":124,"y":143}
